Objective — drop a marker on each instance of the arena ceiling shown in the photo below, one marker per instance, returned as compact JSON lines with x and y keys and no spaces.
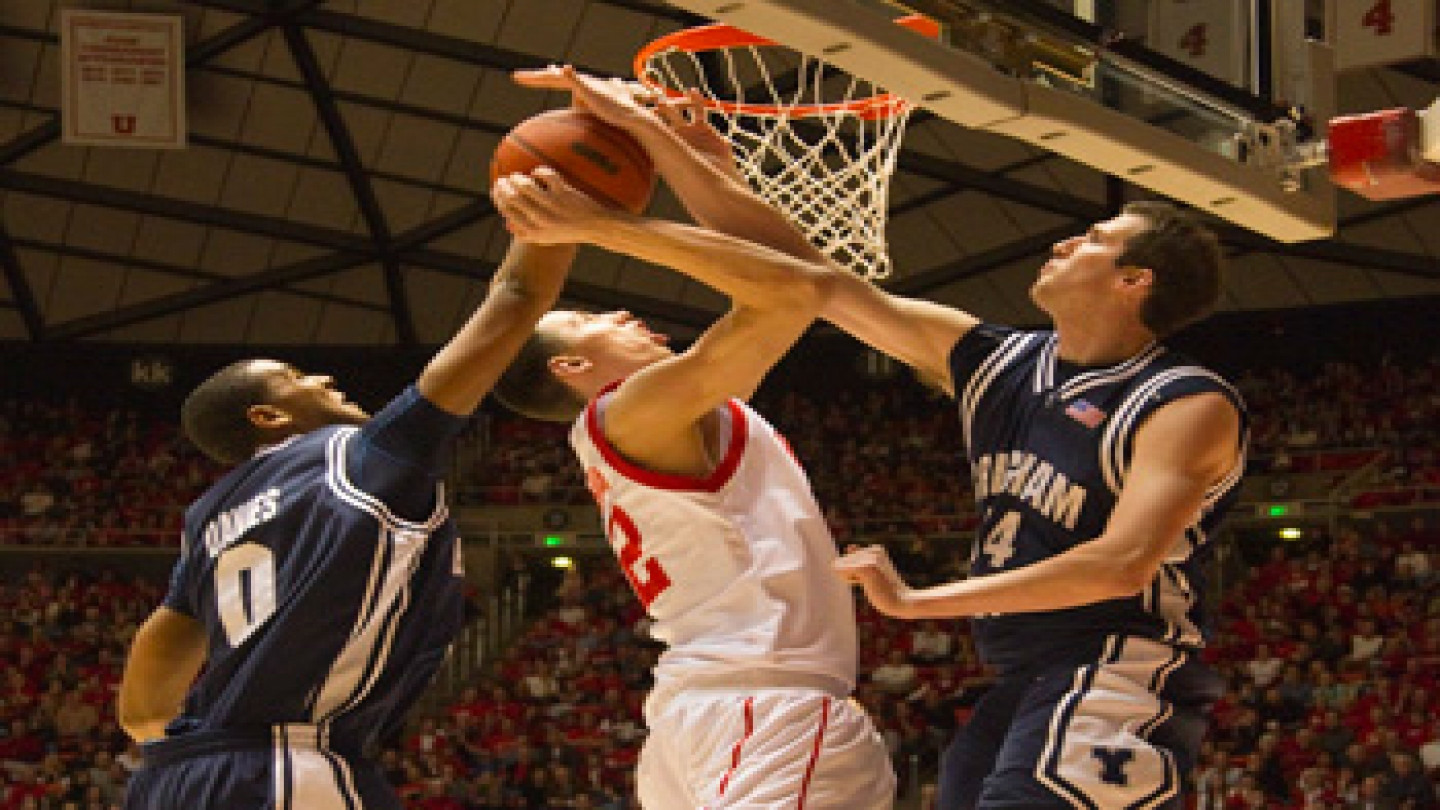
{"x":333,"y":189}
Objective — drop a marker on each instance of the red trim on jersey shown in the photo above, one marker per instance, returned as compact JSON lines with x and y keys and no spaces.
{"x":814,"y":753}
{"x":739,"y":744}
{"x":739,"y":431}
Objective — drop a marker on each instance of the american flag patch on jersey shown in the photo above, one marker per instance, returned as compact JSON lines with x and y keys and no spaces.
{"x":1085,"y":413}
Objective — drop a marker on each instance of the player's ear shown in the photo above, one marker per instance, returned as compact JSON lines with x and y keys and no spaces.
{"x":1137,"y":282}
{"x":568,"y":365}
{"x":268,"y":417}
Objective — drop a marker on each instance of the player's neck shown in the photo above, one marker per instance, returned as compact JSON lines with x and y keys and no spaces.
{"x":1101,"y":347}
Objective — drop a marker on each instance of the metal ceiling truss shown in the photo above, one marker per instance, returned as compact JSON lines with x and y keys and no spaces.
{"x":344,"y":145}
{"x":304,"y":270}
{"x":20,"y":290}
{"x":177,"y":271}
{"x":392,"y":252}
{"x":586,"y":293}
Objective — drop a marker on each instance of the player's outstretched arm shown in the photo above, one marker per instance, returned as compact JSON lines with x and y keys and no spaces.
{"x":695,"y":162}
{"x":525,"y":287}
{"x":693,"y":158}
{"x":544,"y":209}
{"x":1182,"y":450}
{"x":165,"y":657}
{"x":775,"y":299}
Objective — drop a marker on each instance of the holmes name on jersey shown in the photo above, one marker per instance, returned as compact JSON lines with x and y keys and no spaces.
{"x":1032,"y":480}
{"x":231,"y":525}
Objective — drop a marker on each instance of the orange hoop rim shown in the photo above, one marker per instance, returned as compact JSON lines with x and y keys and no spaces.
{"x":718,"y":36}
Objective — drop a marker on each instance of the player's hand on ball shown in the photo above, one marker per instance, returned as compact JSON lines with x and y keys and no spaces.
{"x":615,"y":101}
{"x":543,"y":209}
{"x":870,"y":568}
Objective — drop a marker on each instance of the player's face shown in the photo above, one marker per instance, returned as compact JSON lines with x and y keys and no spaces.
{"x":311,"y":400}
{"x":614,"y":341}
{"x":1085,"y":265}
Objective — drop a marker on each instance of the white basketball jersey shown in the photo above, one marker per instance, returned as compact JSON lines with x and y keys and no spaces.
{"x":734,"y":568}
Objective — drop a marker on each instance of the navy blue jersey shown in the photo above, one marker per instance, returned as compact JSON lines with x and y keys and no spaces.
{"x":1049,"y":444}
{"x":327,"y":573}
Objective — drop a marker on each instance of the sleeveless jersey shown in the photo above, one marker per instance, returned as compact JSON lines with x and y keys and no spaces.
{"x":326,"y":573}
{"x":733,"y":568}
{"x":1049,"y":445}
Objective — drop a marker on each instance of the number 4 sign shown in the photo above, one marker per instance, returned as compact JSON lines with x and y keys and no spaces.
{"x":1366,"y":33}
{"x":1211,"y":36}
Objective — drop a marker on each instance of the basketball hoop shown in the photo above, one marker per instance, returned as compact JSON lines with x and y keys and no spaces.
{"x":812,"y":139}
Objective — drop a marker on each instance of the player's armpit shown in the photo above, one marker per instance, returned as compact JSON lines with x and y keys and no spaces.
{"x":1181,"y":451}
{"x":166,"y":655}
{"x":915,"y":332}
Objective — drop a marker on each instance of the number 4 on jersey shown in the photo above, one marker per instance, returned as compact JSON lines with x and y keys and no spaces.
{"x":999,"y":543}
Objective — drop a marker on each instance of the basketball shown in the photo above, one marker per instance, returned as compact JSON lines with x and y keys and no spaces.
{"x":601,"y":160}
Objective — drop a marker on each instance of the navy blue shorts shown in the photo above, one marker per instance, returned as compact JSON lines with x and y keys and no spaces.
{"x":233,"y":771}
{"x":1118,"y":733}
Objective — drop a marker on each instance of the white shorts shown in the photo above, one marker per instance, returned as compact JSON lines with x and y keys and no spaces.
{"x":717,"y":747}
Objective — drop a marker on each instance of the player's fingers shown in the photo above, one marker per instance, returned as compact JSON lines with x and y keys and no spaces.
{"x":695,"y":106}
{"x":670,"y":113}
{"x":533,"y":197}
{"x":515,"y":219}
{"x":552,"y":76}
{"x":555,"y":186}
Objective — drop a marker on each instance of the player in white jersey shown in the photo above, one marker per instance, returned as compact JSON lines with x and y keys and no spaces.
{"x":711,"y":517}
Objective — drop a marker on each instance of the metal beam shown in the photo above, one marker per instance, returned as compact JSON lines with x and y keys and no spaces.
{"x":1045,"y":199}
{"x":983,"y":262}
{"x":661,"y":10}
{"x":293,"y":273}
{"x":344,"y":145}
{"x":28,"y":142}
{"x":941,"y":169}
{"x":440,"y":227}
{"x":20,"y":290}
{"x":178,"y":271}
{"x":386,"y":105}
{"x":182,"y":210}
{"x":1362,"y":257}
{"x":592,"y":294}
{"x":281,"y":156}
{"x":467,"y":51}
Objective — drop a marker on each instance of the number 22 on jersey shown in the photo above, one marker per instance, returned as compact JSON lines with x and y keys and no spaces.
{"x":645,"y":573}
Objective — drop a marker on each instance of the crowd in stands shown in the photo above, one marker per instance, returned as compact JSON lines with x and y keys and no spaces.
{"x":116,"y":477}
{"x":77,"y":474}
{"x":1331,"y":647}
{"x":1332,"y":658}
{"x":63,"y":639}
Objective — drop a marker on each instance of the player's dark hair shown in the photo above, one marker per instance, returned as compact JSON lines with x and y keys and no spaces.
{"x":529,"y":388}
{"x":215,"y":417}
{"x":1187,"y":262}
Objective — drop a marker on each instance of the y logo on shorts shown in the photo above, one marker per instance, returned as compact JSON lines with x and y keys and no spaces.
{"x":1112,"y":764}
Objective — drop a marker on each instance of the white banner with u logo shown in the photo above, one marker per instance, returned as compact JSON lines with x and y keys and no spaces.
{"x":122,"y":79}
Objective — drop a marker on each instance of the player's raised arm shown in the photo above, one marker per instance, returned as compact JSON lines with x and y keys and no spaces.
{"x":775,"y":298}
{"x":524,"y":287}
{"x":696,"y":163}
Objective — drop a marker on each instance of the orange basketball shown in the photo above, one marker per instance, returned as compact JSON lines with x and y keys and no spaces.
{"x":595,"y":157}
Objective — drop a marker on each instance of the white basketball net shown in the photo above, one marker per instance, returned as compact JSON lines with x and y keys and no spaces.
{"x":805,"y":138}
